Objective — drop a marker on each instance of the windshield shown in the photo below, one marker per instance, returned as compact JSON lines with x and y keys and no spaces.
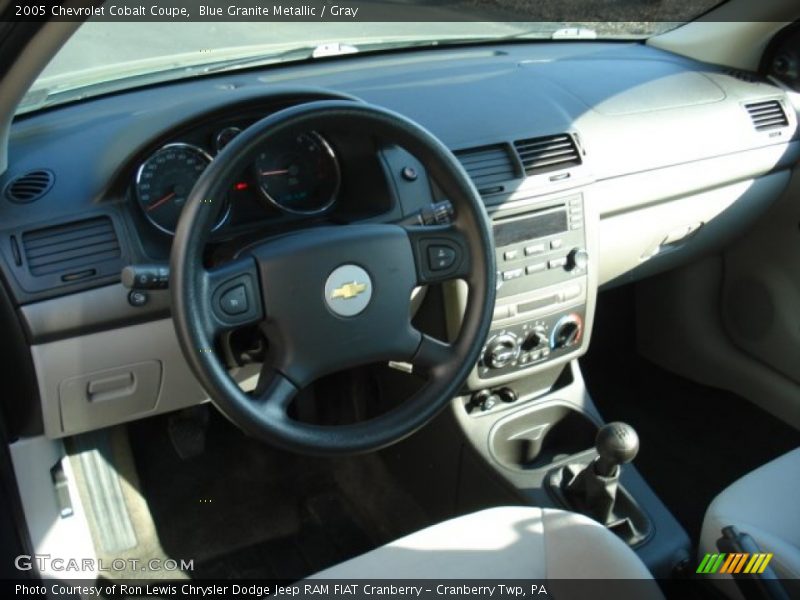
{"x":111,"y":52}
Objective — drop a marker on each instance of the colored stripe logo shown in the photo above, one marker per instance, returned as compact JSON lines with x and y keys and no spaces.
{"x":734,"y":563}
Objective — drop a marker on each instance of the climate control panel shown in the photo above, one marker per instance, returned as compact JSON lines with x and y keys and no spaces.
{"x":525,"y":344}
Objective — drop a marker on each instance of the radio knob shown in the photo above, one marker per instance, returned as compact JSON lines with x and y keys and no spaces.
{"x":501,"y":351}
{"x":567,"y":332}
{"x":577,"y":258}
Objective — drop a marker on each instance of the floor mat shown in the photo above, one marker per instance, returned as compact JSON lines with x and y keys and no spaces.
{"x":327,"y":534}
{"x":695,"y":440}
{"x":243,"y":509}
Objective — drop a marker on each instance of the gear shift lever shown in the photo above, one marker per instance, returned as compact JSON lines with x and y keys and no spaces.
{"x":617,"y":444}
{"x":594,"y":489}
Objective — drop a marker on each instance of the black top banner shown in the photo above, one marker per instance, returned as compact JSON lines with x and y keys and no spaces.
{"x":567,"y":11}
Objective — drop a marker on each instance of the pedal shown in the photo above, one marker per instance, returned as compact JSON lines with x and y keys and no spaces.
{"x":187,"y":431}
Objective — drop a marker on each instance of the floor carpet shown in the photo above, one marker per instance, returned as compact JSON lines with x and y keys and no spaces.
{"x":242,"y":509}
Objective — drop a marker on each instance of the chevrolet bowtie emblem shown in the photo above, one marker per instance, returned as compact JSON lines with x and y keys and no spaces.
{"x":349,"y":290}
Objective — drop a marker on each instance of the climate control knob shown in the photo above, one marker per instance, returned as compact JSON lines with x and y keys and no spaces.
{"x":567,"y":332}
{"x":535,"y":339}
{"x":501,"y":351}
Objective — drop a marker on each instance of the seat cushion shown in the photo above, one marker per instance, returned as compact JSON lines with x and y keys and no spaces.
{"x":764,"y":503}
{"x":512,"y":542}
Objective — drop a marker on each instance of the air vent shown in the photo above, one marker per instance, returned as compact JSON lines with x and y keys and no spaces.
{"x":29,"y":187}
{"x":744,"y":75}
{"x":488,"y":166}
{"x":74,"y":248}
{"x":550,"y":153}
{"x":767,"y":115}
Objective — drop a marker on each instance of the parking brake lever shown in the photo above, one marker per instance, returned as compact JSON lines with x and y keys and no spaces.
{"x":757,"y":584}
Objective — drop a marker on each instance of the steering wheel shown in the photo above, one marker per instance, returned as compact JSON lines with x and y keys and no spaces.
{"x":333,"y":297}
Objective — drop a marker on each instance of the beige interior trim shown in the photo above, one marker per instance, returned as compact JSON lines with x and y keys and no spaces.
{"x":723,"y":37}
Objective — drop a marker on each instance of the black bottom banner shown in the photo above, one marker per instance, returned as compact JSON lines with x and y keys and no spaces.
{"x":363,"y":589}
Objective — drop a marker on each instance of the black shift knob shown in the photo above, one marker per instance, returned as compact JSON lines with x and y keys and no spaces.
{"x":617,"y":444}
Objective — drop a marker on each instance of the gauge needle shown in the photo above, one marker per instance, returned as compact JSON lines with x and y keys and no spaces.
{"x":158,"y":203}
{"x":276,"y":172}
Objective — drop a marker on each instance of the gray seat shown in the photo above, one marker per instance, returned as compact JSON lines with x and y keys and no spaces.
{"x":764,"y":503}
{"x":512,"y":542}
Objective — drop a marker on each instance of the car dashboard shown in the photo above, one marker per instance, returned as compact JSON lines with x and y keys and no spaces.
{"x":598,"y":163}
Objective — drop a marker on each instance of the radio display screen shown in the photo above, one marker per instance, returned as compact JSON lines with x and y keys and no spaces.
{"x":507,"y":233}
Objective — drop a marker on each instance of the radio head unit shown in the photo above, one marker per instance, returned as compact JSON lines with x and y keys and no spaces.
{"x":542,"y":283}
{"x":541,"y":247}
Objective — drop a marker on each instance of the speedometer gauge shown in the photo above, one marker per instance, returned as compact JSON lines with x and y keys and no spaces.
{"x":299,"y":175}
{"x":164,"y":181}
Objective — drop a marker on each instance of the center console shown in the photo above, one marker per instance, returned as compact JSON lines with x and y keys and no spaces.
{"x":525,"y":409}
{"x":546,"y":289}
{"x":542,"y":285}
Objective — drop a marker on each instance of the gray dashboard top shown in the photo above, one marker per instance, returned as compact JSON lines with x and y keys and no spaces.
{"x":633,"y":107}
{"x":467,"y":97}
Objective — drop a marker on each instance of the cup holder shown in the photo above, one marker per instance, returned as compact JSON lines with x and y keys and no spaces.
{"x":541,"y":437}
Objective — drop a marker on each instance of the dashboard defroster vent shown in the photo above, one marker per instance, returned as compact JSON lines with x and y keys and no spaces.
{"x":488,"y":166}
{"x":549,"y":153}
{"x":767,"y":115}
{"x":29,"y":186}
{"x":746,"y":76}
{"x":72,"y":248}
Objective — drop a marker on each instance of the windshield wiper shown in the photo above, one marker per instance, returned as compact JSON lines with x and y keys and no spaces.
{"x":574,"y":33}
{"x":298,"y":53}
{"x":325,"y":50}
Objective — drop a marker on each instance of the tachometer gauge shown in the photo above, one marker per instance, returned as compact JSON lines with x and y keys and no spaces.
{"x":164,"y":181}
{"x":225,"y":137}
{"x":299,"y":175}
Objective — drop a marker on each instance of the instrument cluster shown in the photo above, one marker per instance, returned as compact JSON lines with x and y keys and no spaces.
{"x":297,"y":174}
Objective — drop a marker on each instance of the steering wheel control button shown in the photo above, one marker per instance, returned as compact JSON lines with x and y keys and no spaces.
{"x":235,"y":296}
{"x":234,"y":301}
{"x":348,"y":290}
{"x":441,"y":258}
